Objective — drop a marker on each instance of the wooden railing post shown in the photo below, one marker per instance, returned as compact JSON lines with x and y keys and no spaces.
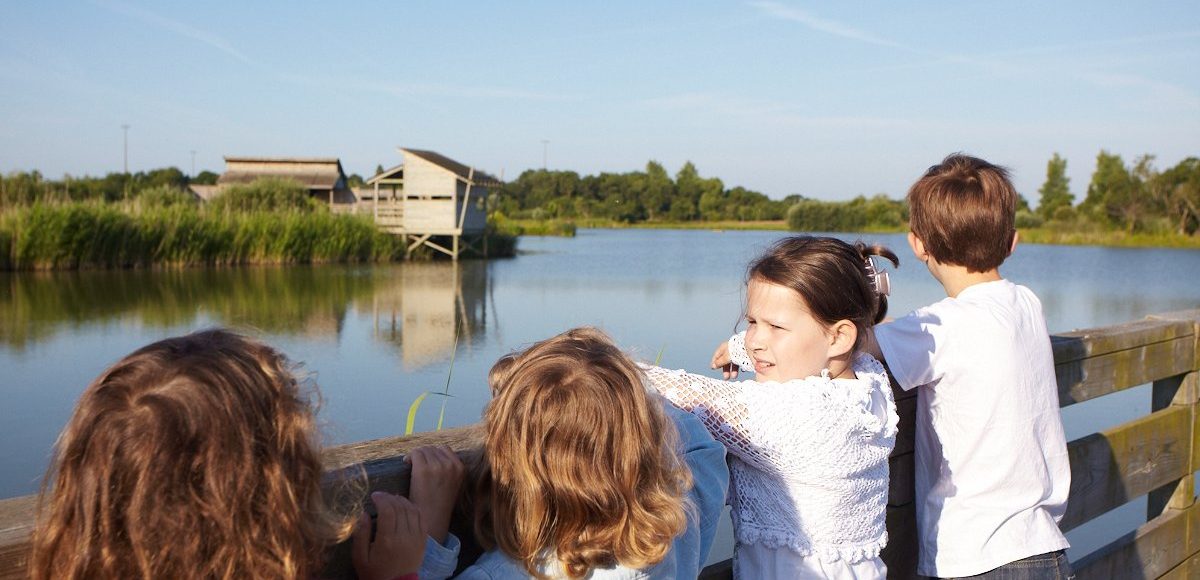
{"x":1179,"y":391}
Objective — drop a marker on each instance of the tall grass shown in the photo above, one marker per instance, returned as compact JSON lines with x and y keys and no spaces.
{"x":99,"y":235}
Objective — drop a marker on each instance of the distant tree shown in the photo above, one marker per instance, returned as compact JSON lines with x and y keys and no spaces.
{"x":164,"y":177}
{"x":1120,"y":195}
{"x":1181,"y":185}
{"x":378,"y":169}
{"x":1055,"y":192}
{"x":355,"y":180}
{"x":658,"y":191}
{"x":204,"y":178}
{"x":1110,"y":181}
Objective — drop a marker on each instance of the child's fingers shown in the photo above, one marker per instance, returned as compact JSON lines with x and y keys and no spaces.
{"x":418,"y":458}
{"x":360,"y":549}
{"x":410,"y":516}
{"x":386,"y":507}
{"x":729,"y":371}
{"x":448,"y":460}
{"x":720,"y":356}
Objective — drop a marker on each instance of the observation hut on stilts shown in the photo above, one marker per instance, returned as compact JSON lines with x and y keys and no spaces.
{"x":429,"y":198}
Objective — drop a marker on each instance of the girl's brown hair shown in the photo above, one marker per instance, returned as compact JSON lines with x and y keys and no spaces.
{"x":193,"y":457}
{"x":581,"y":463}
{"x":830,"y":275}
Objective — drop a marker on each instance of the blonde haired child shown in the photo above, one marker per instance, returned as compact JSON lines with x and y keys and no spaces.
{"x":583,"y":474}
{"x":809,"y":437}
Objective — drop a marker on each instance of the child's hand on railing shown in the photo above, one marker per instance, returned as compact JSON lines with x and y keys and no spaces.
{"x":398,"y":544}
{"x":437,"y":474}
{"x":721,"y":360}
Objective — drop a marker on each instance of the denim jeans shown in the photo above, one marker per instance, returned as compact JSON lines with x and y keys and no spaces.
{"x":1050,"y":566}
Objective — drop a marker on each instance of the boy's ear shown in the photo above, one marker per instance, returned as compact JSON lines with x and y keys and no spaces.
{"x":918,"y":247}
{"x":1013,"y":247}
{"x":842,"y":336}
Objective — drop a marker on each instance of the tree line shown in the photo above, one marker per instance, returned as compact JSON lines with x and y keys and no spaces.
{"x":1135,"y":197}
{"x":651,"y":195}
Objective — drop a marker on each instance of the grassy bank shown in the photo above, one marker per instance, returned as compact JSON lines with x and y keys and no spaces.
{"x":1120,"y":239}
{"x":100,"y":235}
{"x":1074,"y":235}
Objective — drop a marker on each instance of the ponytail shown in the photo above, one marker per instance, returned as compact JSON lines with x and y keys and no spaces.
{"x":879,"y":279}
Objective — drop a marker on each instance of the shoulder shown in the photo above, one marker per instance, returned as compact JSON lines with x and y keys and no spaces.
{"x":493,"y":565}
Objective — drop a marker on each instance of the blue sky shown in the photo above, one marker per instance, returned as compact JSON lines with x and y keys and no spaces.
{"x":822,"y":99}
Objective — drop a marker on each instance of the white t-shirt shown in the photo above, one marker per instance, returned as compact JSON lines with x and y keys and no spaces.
{"x":992,"y":474}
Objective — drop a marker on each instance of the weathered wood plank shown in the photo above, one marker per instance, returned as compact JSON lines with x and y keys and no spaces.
{"x":1093,"y":342}
{"x":1188,"y":570}
{"x":1179,"y":390}
{"x":1194,"y":529}
{"x":1192,"y":316}
{"x":16,"y":523}
{"x":1110,"y":468}
{"x":1081,"y":380}
{"x":1152,"y":550}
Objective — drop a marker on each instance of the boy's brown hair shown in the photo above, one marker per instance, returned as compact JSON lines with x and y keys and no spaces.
{"x":963,"y":209}
{"x":193,"y":457}
{"x":581,"y":467}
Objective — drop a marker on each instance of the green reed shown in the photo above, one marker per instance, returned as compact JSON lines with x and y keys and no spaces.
{"x":101,"y":235}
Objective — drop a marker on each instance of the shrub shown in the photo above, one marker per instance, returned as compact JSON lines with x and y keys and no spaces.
{"x":270,"y":194}
{"x":1027,"y":219}
{"x":164,"y":196}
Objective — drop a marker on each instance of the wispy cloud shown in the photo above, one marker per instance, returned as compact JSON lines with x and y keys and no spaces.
{"x":765,"y":113}
{"x":466,"y":91}
{"x":1158,"y":93}
{"x":791,"y":13}
{"x":180,"y":28}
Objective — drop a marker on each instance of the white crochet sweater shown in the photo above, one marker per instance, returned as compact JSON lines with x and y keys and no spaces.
{"x":808,"y":457}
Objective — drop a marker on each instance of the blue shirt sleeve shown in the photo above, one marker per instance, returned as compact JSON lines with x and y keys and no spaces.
{"x":710,"y":483}
{"x":440,"y":560}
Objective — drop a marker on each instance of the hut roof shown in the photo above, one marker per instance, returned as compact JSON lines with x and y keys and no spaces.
{"x":390,"y":174}
{"x":458,"y":169}
{"x":322,"y":173}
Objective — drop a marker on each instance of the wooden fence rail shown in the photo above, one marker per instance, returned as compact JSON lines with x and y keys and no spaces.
{"x":1155,"y":456}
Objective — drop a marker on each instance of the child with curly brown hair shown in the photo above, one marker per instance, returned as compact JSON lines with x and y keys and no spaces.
{"x":197,"y":457}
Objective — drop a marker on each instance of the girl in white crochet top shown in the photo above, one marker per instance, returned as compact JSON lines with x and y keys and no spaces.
{"x":809,"y":437}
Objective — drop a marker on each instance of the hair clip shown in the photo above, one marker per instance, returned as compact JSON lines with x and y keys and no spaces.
{"x":879,"y":279}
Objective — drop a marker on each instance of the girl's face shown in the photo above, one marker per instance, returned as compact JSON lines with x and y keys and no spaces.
{"x":782,"y":337}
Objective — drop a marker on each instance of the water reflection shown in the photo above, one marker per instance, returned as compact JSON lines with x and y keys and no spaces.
{"x":425,"y":309}
{"x":417,"y":307}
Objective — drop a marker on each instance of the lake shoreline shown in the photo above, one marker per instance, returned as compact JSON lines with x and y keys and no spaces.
{"x":1040,"y":235}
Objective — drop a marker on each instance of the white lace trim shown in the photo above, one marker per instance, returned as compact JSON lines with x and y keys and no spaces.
{"x":775,"y":541}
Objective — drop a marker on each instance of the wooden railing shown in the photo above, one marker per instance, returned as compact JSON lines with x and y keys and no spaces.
{"x":1155,"y":456}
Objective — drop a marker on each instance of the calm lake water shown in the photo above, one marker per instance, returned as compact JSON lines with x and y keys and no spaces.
{"x":375,"y":338}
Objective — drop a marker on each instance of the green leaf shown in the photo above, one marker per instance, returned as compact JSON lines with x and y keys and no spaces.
{"x":412,"y":412}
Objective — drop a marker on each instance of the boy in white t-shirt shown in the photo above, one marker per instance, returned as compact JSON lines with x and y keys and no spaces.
{"x":991,"y":460}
